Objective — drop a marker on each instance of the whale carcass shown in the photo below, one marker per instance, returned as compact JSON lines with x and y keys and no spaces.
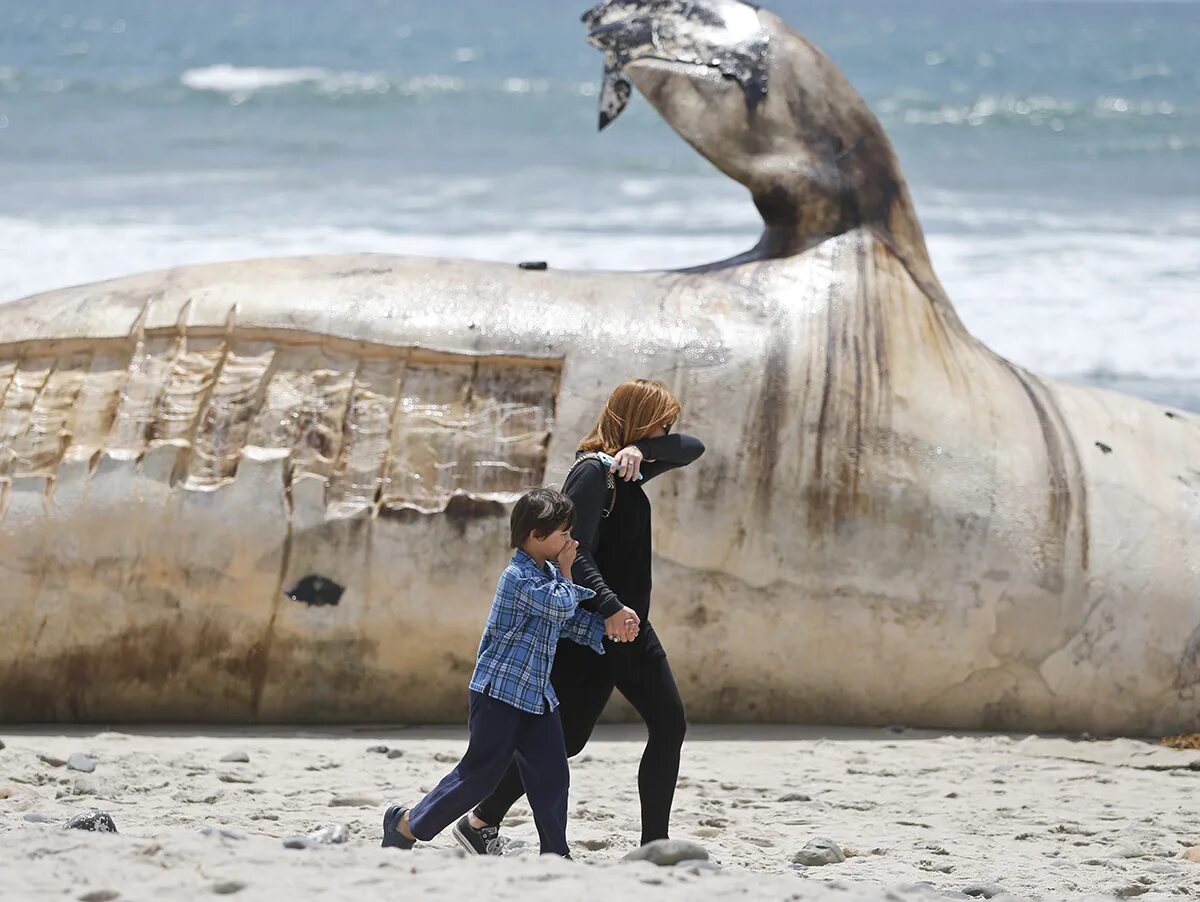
{"x":277,"y":490}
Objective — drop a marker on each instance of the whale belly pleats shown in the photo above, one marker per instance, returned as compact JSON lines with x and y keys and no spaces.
{"x":381,"y":426}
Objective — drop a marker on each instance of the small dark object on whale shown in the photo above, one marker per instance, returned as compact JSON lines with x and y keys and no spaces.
{"x":316,"y":591}
{"x":95,"y":821}
{"x":1103,"y":447}
{"x":534,"y":264}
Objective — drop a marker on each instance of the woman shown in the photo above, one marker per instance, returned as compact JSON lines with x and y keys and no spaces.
{"x":612,"y":526}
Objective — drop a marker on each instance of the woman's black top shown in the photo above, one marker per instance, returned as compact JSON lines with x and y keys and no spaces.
{"x":615,"y":552}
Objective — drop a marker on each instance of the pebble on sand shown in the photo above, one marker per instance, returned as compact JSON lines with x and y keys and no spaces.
{"x":82,"y":763}
{"x":378,"y":749}
{"x":666,"y":852}
{"x":87,"y":785}
{"x":1132,"y":890}
{"x":795,"y":797}
{"x":95,"y":821}
{"x":235,"y":758}
{"x":236,"y":778}
{"x":984,"y":890}
{"x":228,"y":887}
{"x":353,"y":801}
{"x":1192,"y":854}
{"x":100,"y":895}
{"x":52,"y":760}
{"x":820,"y":851}
{"x":327,"y":835}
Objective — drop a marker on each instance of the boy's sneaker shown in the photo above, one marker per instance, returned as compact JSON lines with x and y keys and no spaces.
{"x":392,"y":837}
{"x":484,"y":841}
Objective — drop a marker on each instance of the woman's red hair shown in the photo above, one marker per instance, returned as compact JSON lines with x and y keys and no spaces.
{"x":634,"y":410}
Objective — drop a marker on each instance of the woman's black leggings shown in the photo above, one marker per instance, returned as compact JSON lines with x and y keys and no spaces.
{"x":583,"y":682}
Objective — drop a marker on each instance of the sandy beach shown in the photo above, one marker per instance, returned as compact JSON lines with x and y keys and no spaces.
{"x":919,"y":814}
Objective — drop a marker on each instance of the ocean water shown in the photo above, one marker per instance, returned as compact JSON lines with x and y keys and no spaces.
{"x":1053,"y":150}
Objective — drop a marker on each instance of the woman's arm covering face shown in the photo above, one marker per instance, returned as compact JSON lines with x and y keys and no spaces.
{"x":668,"y":452}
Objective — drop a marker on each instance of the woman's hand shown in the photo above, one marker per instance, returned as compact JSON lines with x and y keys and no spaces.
{"x":627,"y":463}
{"x":623,"y":626}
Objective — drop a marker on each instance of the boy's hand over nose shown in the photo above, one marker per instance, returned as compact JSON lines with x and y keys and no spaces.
{"x":566,"y":557}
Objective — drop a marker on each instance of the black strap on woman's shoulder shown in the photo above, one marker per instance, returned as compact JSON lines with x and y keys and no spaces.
{"x":608,"y":478}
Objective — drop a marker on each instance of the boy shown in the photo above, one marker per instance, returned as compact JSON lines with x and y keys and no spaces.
{"x":513,"y":707}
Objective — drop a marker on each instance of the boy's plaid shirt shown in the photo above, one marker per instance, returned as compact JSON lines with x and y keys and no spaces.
{"x":532,"y":610}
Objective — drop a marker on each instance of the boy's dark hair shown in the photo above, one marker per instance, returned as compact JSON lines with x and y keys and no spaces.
{"x":541,"y":512}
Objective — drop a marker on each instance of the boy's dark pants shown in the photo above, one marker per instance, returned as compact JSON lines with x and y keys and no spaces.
{"x":584,"y":681}
{"x":500,"y":732}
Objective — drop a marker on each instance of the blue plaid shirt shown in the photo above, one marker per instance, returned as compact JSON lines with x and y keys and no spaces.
{"x":532,"y":610}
